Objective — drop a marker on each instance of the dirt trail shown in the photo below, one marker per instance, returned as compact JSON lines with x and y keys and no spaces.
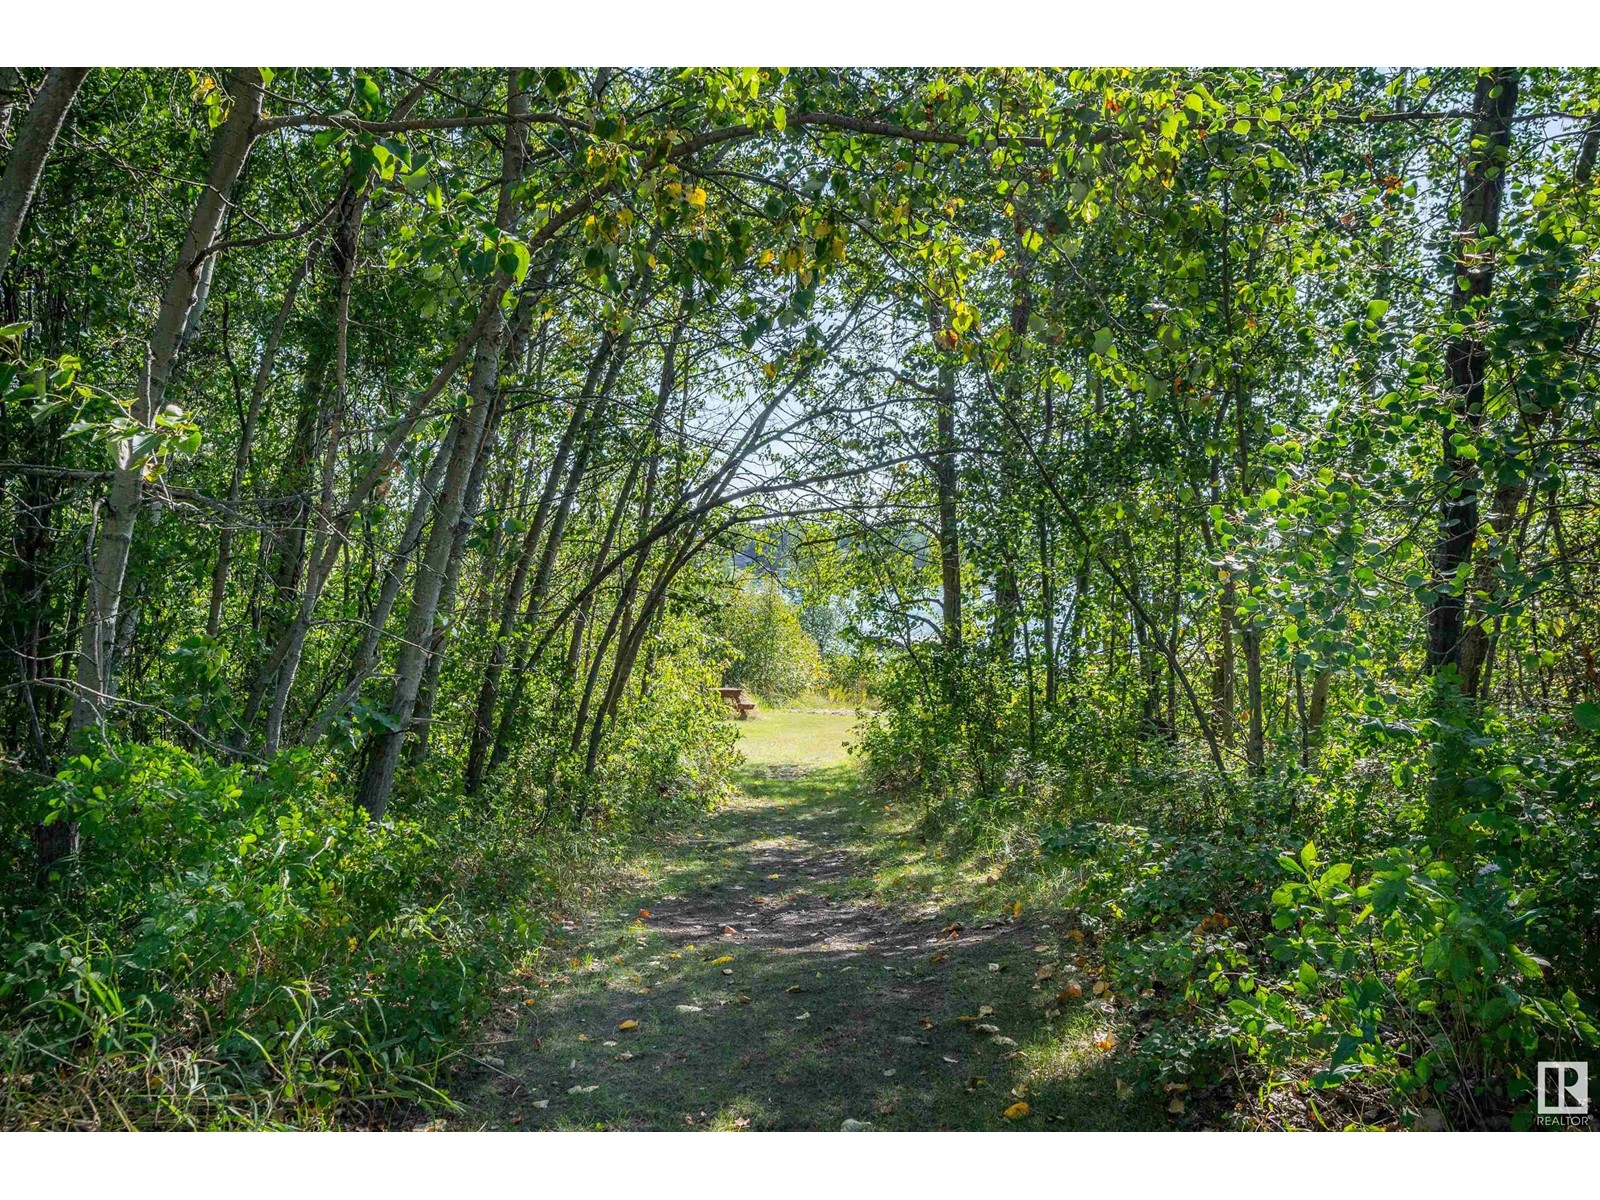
{"x":771,"y":991}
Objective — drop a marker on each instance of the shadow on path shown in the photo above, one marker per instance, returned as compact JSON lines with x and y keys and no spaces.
{"x":771,"y":991}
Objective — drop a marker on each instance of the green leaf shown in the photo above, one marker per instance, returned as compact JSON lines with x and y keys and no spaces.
{"x":1334,"y":875}
{"x":1376,"y":309}
{"x":1308,"y":855}
{"x":1587,"y":715}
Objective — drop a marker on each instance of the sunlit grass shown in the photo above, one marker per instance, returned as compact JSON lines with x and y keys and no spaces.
{"x":775,"y":738}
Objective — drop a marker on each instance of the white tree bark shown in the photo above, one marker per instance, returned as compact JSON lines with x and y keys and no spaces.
{"x":230,"y":146}
{"x":34,"y":141}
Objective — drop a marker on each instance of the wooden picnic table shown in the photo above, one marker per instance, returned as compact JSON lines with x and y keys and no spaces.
{"x":735,"y":697}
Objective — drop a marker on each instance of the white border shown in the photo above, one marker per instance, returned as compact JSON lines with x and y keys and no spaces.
{"x":840,"y":33}
{"x":779,"y":1166}
{"x":809,"y":32}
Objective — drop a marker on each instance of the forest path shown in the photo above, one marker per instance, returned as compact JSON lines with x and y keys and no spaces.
{"x":773,"y":988}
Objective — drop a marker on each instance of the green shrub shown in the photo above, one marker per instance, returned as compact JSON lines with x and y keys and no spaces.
{"x":241,"y":947}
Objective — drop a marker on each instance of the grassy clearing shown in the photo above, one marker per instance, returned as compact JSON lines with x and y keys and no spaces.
{"x":789,"y":964}
{"x":787,"y":739}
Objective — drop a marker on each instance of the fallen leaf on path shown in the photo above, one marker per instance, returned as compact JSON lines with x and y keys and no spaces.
{"x":743,"y":999}
{"x":1076,"y":935}
{"x":726,"y":958}
{"x":1176,"y":1106}
{"x":1101,"y":987}
{"x":579,"y":1089}
{"x":608,"y":1042}
{"x":541,"y":1104}
{"x":949,"y":1059}
{"x":998,"y":1040}
{"x":1044,"y":972}
{"x":925,"y":1023}
{"x":1071,"y":992}
{"x":1016,"y":909}
{"x":630,"y":1023}
{"x":995,"y":967}
{"x":986,"y":1029}
{"x":1018,"y":1110}
{"x":888,"y":1073}
{"x":805,"y":1016}
{"x":644,"y":912}
{"x":1041,"y":948}
{"x":688,"y":1008}
{"x":774,"y":875}
{"x":1108,"y":1043}
{"x":793,"y":987}
{"x":729,"y":930}
{"x":727,"y":970}
{"x":986,"y":1010}
{"x":583,"y":1037}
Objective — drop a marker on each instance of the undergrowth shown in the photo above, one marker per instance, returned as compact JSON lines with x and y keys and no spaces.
{"x":1344,"y":945}
{"x":238,"y":947}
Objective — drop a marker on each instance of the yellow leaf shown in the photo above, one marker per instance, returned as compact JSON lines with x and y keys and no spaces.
{"x":697,"y":197}
{"x":630,"y":1023}
{"x":1176,"y":1106}
{"x":1018,"y":1110}
{"x":1016,"y":908}
{"x":770,"y":370}
{"x":717,"y":962}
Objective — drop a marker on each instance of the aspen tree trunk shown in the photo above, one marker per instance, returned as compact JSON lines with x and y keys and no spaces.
{"x":31,"y":149}
{"x":241,"y":461}
{"x":1477,"y":654}
{"x":1047,"y":566}
{"x":624,"y":598}
{"x":366,"y":656}
{"x":1466,"y":366}
{"x":483,"y":719}
{"x":547,"y":560}
{"x":422,"y":718}
{"x":945,"y":474}
{"x":382,"y":755}
{"x":230,"y":146}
